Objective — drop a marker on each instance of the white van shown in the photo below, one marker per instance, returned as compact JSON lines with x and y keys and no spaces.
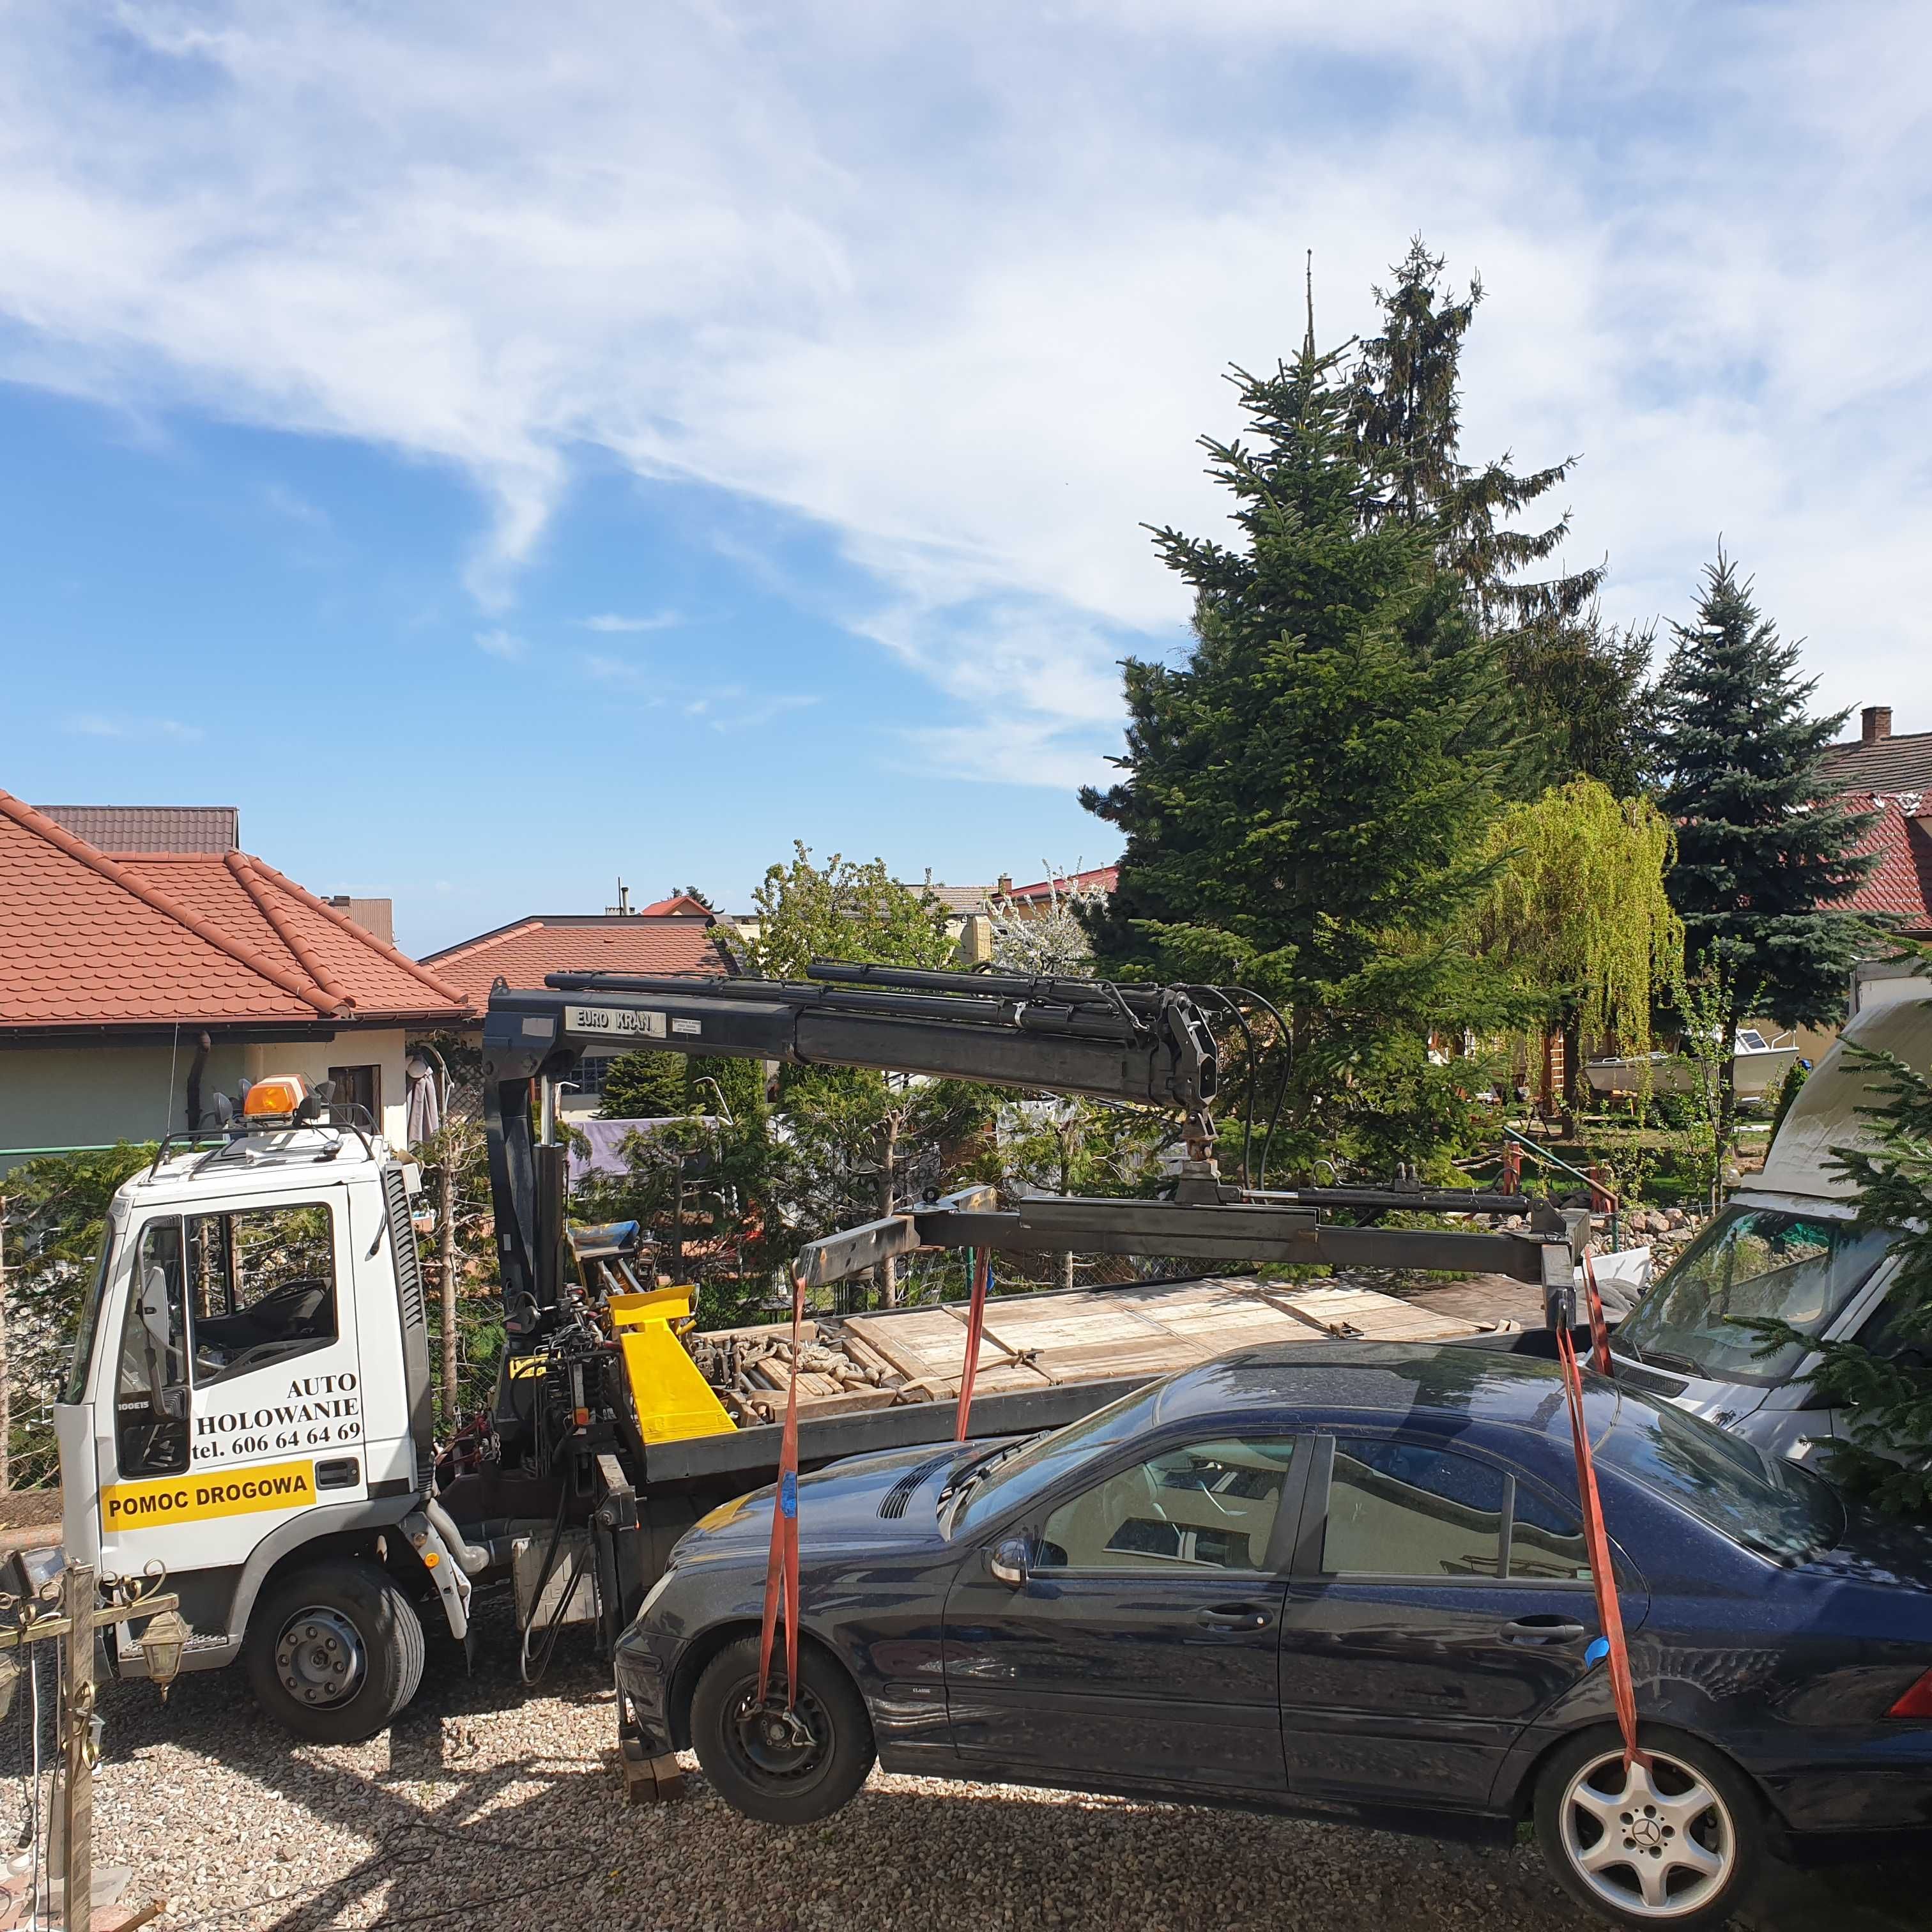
{"x":1785,"y":1245}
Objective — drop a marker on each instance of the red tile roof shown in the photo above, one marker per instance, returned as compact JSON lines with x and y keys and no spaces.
{"x":199,"y":939}
{"x":679,"y":902}
{"x":523,"y":952}
{"x":1901,"y":881}
{"x":1102,"y":878}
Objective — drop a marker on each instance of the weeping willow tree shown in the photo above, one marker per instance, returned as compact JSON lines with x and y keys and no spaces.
{"x":1577,"y":913}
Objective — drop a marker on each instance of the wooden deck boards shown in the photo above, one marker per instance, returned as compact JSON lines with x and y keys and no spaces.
{"x":1030,"y":1341}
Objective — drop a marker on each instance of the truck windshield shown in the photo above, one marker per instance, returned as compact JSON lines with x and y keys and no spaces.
{"x":1751,"y":1261}
{"x":90,"y":1316}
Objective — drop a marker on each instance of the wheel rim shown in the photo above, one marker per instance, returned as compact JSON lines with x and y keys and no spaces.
{"x":784,"y":1751}
{"x":1655,"y":1841}
{"x":320,"y":1657}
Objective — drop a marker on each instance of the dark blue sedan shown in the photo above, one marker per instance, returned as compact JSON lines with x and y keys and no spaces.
{"x":1345,"y":1579}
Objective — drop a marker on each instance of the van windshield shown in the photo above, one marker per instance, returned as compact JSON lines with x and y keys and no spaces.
{"x":1750,"y":1262}
{"x":90,"y":1316}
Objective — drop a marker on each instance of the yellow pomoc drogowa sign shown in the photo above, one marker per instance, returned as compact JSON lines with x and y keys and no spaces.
{"x":196,"y":1497}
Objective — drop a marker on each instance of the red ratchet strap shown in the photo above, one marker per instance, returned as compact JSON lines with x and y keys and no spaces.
{"x":1596,"y":1541}
{"x":781,"y":1566}
{"x":980,"y":1268}
{"x":1600,"y":1330}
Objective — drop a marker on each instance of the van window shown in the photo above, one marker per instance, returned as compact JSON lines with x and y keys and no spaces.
{"x":151,"y":1388}
{"x":262,"y":1283}
{"x":1751,"y":1261}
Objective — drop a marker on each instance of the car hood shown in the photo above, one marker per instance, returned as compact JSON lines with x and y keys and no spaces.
{"x":864,"y":1499}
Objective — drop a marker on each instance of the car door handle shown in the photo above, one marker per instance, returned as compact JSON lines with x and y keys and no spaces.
{"x":1234,"y":1617}
{"x":1543,"y":1630}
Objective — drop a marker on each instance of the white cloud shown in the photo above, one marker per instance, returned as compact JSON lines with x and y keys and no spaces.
{"x":610,"y":624}
{"x":100,"y":725}
{"x":958,"y":288}
{"x":504,"y":644}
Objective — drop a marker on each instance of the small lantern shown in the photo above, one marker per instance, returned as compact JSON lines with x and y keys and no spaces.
{"x":161,"y":1644}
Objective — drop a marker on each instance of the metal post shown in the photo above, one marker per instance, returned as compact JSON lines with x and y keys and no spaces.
{"x":77,"y":1798}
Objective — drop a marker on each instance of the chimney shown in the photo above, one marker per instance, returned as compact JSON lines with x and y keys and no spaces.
{"x":1006,"y":884}
{"x":1874,"y":724}
{"x":373,"y":916}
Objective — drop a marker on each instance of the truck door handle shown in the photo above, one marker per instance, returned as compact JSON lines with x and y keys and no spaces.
{"x":1234,"y":1617}
{"x":1544,"y":1630}
{"x":344,"y":1472}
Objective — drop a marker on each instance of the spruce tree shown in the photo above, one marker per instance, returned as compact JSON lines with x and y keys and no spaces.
{"x":1767,"y":856}
{"x":1306,"y":798}
{"x":1406,"y":409}
{"x":1580,"y":680}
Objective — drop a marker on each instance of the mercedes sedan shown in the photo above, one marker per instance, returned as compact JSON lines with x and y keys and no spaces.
{"x":1349,"y":1580}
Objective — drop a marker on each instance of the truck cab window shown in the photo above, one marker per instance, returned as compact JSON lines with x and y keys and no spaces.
{"x":263,"y":1284}
{"x":151,"y":1389}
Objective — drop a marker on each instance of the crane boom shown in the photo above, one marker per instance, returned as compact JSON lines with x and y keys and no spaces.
{"x":1147,"y":1046}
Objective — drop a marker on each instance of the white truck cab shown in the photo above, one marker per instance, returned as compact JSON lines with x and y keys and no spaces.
{"x":250,"y":1406}
{"x":1785,"y":1246}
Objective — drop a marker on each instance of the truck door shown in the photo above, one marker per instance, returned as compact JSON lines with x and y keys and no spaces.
{"x":238,"y":1391}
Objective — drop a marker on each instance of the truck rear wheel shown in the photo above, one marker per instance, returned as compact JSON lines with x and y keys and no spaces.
{"x":334,"y":1654}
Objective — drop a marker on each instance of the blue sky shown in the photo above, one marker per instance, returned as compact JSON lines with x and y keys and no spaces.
{"x":501,"y":447}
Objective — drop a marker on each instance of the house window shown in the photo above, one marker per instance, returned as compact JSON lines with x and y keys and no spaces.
{"x":360,"y":1086}
{"x":589,"y":1077}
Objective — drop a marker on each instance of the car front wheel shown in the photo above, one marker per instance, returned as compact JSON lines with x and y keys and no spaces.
{"x":787,"y":1767}
{"x":1678,"y":1842}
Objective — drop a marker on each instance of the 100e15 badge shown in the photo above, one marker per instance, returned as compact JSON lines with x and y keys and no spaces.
{"x":320,"y":1410}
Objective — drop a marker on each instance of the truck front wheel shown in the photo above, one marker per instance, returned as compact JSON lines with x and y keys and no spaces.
{"x":334,"y":1654}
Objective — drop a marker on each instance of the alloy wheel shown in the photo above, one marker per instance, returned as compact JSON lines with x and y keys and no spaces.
{"x":1654,"y":1840}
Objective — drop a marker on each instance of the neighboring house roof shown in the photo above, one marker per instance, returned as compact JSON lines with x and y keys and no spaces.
{"x":117,"y":829}
{"x":523,"y":952}
{"x":1102,"y":878}
{"x":958,"y":900}
{"x":1901,"y":882}
{"x":1883,"y":764}
{"x":202,"y":940}
{"x":679,"y":903}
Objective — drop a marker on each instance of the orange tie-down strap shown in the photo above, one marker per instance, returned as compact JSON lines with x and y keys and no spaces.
{"x":980,"y":1269}
{"x":1596,"y":1541}
{"x":781,"y":1566}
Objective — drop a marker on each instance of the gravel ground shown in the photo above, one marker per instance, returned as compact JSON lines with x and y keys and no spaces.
{"x":484,"y":1802}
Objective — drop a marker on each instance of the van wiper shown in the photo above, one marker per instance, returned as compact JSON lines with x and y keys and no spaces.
{"x":1683,"y":1365}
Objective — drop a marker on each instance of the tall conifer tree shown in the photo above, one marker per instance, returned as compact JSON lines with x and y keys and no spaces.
{"x":1767,"y":856}
{"x":1305,"y":799}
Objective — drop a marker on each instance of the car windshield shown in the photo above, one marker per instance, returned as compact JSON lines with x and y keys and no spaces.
{"x":90,"y":1316}
{"x":1764,"y":1502}
{"x":996,"y":1487}
{"x":1751,"y":1261}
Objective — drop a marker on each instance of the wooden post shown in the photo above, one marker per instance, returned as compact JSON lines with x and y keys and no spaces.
{"x":445,"y":1251}
{"x":77,"y":1798}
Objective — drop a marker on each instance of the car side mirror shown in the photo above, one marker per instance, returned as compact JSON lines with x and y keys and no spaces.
{"x":1008,"y":1562}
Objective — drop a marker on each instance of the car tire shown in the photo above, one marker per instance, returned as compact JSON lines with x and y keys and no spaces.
{"x":333,"y":1653}
{"x":1682,"y":1844}
{"x":783,"y":1776}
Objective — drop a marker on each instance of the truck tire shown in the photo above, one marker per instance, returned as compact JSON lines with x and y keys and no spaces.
{"x":334,"y":1653}
{"x":782,"y":1771}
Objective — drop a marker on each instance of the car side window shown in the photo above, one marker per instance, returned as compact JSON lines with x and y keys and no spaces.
{"x":1545,"y":1541}
{"x":1211,"y":1506}
{"x":262,"y":1283}
{"x":1407,"y":1509}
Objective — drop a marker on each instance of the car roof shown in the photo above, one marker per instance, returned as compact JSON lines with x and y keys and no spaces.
{"x":1436,"y":1383}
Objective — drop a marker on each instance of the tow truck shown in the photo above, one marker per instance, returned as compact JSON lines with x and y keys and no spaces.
{"x":251,"y":1405}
